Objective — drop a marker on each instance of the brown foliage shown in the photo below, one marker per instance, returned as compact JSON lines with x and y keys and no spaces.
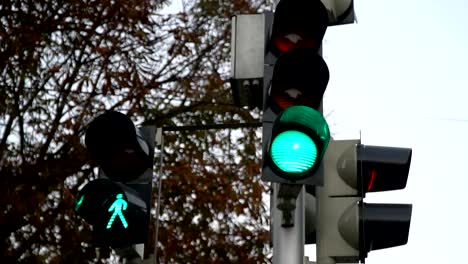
{"x":64,"y":62}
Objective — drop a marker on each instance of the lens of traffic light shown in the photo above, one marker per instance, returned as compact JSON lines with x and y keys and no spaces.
{"x":288,"y":41}
{"x":300,"y":136}
{"x":90,"y":199}
{"x":293,"y":152}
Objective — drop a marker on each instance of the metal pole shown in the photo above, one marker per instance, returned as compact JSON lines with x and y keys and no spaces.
{"x":160,"y":140}
{"x":321,"y":220}
{"x":288,"y":242}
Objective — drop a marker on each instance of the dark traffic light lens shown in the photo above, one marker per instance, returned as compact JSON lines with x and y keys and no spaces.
{"x":286,"y":42}
{"x":290,"y":97}
{"x":126,"y":164}
{"x":293,"y":152}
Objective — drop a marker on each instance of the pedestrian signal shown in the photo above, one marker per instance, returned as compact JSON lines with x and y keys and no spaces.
{"x":117,"y":207}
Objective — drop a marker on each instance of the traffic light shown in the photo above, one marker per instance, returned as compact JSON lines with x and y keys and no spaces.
{"x":295,"y":134}
{"x":349,"y":228}
{"x":118,"y":203}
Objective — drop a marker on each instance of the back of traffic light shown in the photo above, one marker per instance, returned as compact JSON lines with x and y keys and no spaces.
{"x":347,"y":227}
{"x":118,"y":203}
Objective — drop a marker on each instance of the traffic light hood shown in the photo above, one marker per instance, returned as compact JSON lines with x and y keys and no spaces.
{"x":298,"y":24}
{"x":112,"y":141}
{"x":300,"y":77}
{"x":383,"y":226}
{"x":383,"y":168}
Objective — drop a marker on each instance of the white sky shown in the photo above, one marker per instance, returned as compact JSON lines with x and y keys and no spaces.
{"x":399,"y":78}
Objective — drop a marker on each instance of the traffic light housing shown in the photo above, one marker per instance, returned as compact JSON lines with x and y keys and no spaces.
{"x":117,"y":214}
{"x":349,"y":228}
{"x":118,"y":203}
{"x":295,"y":134}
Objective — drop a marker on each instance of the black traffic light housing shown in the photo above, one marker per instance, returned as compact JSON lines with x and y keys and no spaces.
{"x":93,"y":204}
{"x":118,"y":203}
{"x":295,"y":75}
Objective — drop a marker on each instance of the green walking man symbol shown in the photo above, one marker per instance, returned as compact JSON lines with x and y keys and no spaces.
{"x":118,"y":205}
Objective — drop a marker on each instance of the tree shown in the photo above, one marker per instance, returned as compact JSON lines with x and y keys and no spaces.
{"x":64,"y":62}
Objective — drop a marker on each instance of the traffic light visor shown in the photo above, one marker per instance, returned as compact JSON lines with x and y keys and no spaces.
{"x":383,"y":226}
{"x":112,"y":141}
{"x":300,"y":77}
{"x":383,"y":168}
{"x":298,"y":24}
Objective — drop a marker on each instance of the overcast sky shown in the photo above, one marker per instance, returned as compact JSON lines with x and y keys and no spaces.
{"x":399,"y":78}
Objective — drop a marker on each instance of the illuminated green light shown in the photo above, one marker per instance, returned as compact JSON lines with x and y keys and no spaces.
{"x":309,"y":118}
{"x":118,"y":205}
{"x":78,"y":204}
{"x":293,"y":152}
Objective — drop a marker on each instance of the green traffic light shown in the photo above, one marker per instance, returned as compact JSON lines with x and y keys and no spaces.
{"x":118,"y":206}
{"x":79,"y":202}
{"x":293,"y":151}
{"x":299,"y":141}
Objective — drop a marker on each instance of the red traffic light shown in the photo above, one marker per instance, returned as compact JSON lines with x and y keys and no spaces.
{"x":298,"y":24}
{"x":300,"y":77}
{"x":383,"y":168}
{"x":112,"y":140}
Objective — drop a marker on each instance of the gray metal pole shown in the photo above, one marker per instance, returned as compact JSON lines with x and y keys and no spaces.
{"x":321,"y":221}
{"x":288,"y":243}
